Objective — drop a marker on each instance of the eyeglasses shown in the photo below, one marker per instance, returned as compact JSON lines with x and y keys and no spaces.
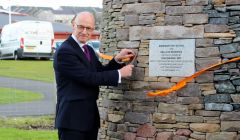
{"x":81,"y":28}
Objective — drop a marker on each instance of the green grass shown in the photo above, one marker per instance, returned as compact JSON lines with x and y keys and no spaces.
{"x":18,"y":134}
{"x":10,"y":95}
{"x":27,"y":128}
{"x":28,"y":122}
{"x":28,"y":69}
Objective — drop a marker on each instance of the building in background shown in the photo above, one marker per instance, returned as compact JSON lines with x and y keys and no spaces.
{"x":61,"y":27}
{"x":63,"y":14}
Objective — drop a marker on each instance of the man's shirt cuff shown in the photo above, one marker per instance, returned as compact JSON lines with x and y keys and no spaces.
{"x":119,"y":77}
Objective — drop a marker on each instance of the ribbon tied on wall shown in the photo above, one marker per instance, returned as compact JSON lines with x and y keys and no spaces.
{"x":182,"y":83}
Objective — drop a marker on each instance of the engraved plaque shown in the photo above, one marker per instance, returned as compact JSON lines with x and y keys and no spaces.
{"x":172,"y":57}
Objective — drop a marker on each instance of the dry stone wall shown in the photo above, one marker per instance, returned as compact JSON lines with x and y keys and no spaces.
{"x":208,"y":107}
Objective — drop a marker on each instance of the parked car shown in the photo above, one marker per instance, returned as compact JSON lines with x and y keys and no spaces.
{"x":95,"y":44}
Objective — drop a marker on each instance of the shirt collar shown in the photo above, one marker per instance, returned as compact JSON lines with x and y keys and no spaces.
{"x":75,"y":38}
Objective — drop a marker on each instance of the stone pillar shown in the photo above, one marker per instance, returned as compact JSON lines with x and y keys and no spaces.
{"x":208,"y":107}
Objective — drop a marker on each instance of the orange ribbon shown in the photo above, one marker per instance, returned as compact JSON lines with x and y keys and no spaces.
{"x":183,"y":82}
{"x":109,"y":57}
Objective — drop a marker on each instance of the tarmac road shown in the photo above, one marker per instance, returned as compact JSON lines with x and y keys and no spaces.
{"x":34,"y":108}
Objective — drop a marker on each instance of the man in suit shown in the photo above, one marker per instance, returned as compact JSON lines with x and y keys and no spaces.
{"x":78,"y":75}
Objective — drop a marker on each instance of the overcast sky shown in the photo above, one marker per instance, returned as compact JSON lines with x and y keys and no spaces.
{"x":52,"y":3}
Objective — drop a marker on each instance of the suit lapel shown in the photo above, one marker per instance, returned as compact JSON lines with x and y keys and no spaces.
{"x":79,"y":51}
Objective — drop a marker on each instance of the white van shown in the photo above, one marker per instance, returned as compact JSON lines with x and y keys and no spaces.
{"x":27,"y":39}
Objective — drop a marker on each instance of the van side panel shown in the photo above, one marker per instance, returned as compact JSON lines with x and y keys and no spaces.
{"x":27,"y":39}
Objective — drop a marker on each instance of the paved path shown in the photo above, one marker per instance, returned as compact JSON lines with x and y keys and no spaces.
{"x":42,"y":107}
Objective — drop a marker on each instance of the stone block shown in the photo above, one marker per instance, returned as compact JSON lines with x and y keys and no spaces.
{"x":235,"y":98}
{"x":219,"y":35}
{"x":221,"y":136}
{"x":207,"y":87}
{"x":183,"y":132}
{"x":144,"y":108}
{"x":164,"y":136}
{"x":112,"y":126}
{"x":206,"y":113}
{"x":204,"y":42}
{"x":149,"y":1}
{"x":206,"y":77}
{"x":195,"y":18}
{"x":197,"y":2}
{"x":171,"y":98}
{"x":114,"y":96}
{"x":172,"y":126}
{"x":214,"y":120}
{"x":172,"y":108}
{"x":165,"y":32}
{"x":194,"y":106}
{"x":225,"y":87}
{"x":115,"y":118}
{"x":222,"y":41}
{"x":233,"y":8}
{"x":131,"y":20}
{"x":146,"y":131}
{"x":202,"y":63}
{"x":122,"y":34}
{"x":207,"y":52}
{"x":198,"y":136}
{"x":229,"y":48}
{"x":189,"y":119}
{"x":232,"y":2}
{"x":205,"y":127}
{"x":218,"y":2}
{"x":218,"y":107}
{"x":212,"y":28}
{"x":138,"y":118}
{"x":176,"y":137}
{"x":180,"y":10}
{"x":139,"y":8}
{"x":230,"y":116}
{"x":221,"y":77}
{"x":230,"y":126}
{"x":115,"y":135}
{"x":218,"y":21}
{"x":218,"y":98}
{"x":191,"y":90}
{"x":164,"y":118}
{"x":128,"y":44}
{"x":189,"y":100}
{"x":139,"y":85}
{"x":121,"y":127}
{"x":129,"y":136}
{"x":173,"y":20}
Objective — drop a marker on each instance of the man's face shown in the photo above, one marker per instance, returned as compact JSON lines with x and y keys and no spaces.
{"x":83,"y":27}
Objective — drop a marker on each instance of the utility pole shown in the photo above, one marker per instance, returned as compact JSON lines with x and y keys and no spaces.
{"x":10,"y":15}
{"x":9,"y":12}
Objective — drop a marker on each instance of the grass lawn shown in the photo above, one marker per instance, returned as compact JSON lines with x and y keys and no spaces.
{"x":28,"y":69}
{"x":27,"y":128}
{"x":10,"y":95}
{"x":19,"y":134}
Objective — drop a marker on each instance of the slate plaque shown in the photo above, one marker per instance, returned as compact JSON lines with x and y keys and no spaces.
{"x":172,"y":57}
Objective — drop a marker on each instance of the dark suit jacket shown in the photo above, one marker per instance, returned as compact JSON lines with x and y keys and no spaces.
{"x":78,"y":82}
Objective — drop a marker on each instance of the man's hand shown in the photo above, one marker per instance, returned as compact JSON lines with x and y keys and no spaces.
{"x":126,"y":71}
{"x":125,"y":53}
